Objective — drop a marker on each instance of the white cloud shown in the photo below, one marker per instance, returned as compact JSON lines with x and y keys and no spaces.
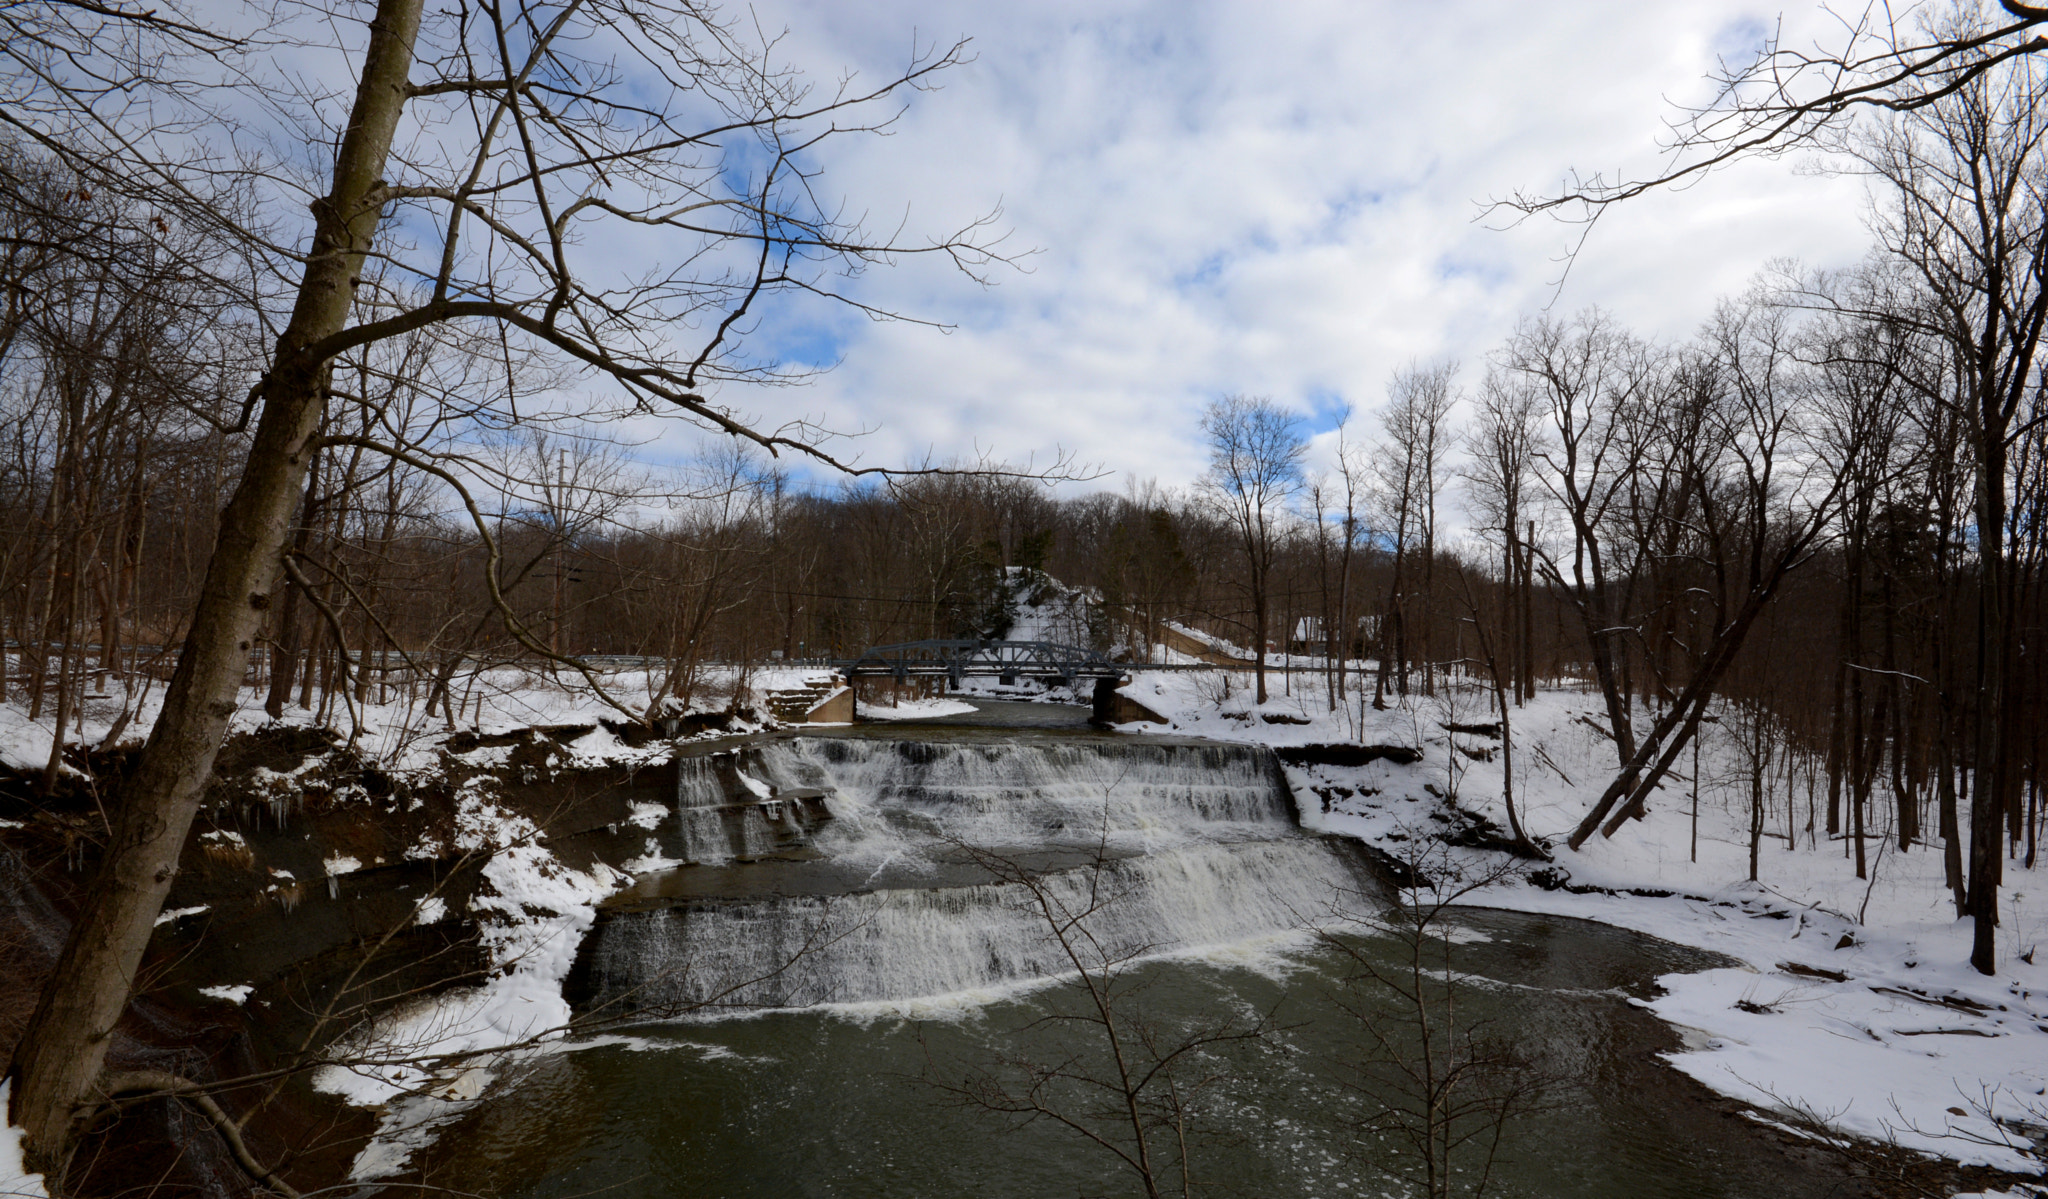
{"x":1276,"y":199}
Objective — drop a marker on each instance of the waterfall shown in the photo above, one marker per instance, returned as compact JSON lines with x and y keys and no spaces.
{"x":724,"y":814}
{"x":1019,"y":795}
{"x":910,"y":942}
{"x":702,"y":833}
{"x":1191,"y":845}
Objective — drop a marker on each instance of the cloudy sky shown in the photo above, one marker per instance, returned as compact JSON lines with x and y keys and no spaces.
{"x":1279,"y":199}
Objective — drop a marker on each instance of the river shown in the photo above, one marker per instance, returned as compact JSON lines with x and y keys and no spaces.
{"x":801,"y":998}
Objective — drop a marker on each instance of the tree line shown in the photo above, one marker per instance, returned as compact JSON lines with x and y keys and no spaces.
{"x":292,"y":386}
{"x":1781,"y":510}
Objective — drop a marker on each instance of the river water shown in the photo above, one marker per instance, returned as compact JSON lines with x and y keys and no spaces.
{"x":807,"y":998}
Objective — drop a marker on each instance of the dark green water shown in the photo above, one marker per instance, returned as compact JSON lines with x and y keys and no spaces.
{"x":828,"y":1102}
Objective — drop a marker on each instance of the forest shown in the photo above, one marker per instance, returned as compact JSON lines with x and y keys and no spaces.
{"x":351,"y":419}
{"x":1780,"y":512}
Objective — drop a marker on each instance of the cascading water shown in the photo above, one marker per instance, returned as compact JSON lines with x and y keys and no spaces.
{"x":702,"y":826}
{"x":1026,"y":794}
{"x":890,"y":886}
{"x":713,"y":826}
{"x":843,"y":868}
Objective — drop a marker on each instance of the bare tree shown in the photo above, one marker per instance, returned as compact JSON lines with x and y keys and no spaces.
{"x":656,"y":124}
{"x":1501,"y":448}
{"x":1410,"y":470}
{"x":1964,"y":170}
{"x":1588,"y":373}
{"x":1498,"y":672}
{"x":1941,"y":105}
{"x":1353,"y":468}
{"x":1255,"y":452}
{"x":1776,"y":491}
{"x":1442,"y":1088}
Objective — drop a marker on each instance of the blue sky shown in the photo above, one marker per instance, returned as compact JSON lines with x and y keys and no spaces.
{"x":1276,"y":199}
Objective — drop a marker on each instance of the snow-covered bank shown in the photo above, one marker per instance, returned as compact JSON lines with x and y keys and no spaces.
{"x":395,"y":734}
{"x":390,"y":789}
{"x":429,"y":1060}
{"x":914,"y":709}
{"x":1854,"y":1006}
{"x":15,"y":1180}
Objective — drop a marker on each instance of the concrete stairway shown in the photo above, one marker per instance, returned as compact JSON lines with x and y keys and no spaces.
{"x":794,"y":705}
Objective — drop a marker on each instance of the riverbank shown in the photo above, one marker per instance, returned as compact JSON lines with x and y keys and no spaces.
{"x":1854,"y":1012}
{"x":375,"y":909}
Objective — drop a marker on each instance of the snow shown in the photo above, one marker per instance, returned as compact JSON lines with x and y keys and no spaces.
{"x":15,"y":1182}
{"x":173,"y":915}
{"x":486,"y":757}
{"x":422,"y":1064}
{"x":1215,"y":643}
{"x":24,"y":744}
{"x":1044,"y":609}
{"x":235,"y":994}
{"x":651,"y":860}
{"x":398,"y":737}
{"x":1907,"y":1044}
{"x":1854,"y":1004}
{"x":601,"y":746}
{"x":915,"y":709}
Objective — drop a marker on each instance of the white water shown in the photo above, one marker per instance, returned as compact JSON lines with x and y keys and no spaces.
{"x":1033,"y":794}
{"x":703,"y":833}
{"x":715,"y":826}
{"x":911,"y":942}
{"x":1181,"y":847}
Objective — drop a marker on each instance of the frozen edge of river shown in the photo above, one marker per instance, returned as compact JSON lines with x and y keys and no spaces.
{"x":1885,"y":1034}
{"x":1910,"y":1046}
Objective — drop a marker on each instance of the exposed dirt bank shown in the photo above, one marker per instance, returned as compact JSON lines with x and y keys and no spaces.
{"x":316,"y":891}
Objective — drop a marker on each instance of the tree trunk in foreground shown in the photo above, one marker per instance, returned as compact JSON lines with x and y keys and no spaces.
{"x":64,"y":1048}
{"x":1987,"y":782}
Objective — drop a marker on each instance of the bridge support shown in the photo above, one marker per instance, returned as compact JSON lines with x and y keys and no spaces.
{"x":1105,"y":701}
{"x":1111,"y":708}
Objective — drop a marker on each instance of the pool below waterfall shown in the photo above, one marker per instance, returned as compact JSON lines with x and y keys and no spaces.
{"x":815,"y":1004}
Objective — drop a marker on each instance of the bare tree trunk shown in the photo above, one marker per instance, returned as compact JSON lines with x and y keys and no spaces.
{"x":1949,"y":825}
{"x":1259,"y":632}
{"x":1988,"y":759}
{"x":1529,"y":615}
{"x":289,"y":646}
{"x":1757,"y":760}
{"x":70,"y":660}
{"x":65,"y":1045}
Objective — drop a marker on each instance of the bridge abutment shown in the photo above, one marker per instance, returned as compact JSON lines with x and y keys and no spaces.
{"x":1113,"y":707}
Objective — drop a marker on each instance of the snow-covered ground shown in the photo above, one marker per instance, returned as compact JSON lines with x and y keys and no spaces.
{"x":397,"y":735}
{"x":421,"y":1065}
{"x":915,"y":709}
{"x":15,"y":1180}
{"x":1854,"y":1004}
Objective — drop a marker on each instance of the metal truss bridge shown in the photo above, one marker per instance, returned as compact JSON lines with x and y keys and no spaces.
{"x":1004,"y":660}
